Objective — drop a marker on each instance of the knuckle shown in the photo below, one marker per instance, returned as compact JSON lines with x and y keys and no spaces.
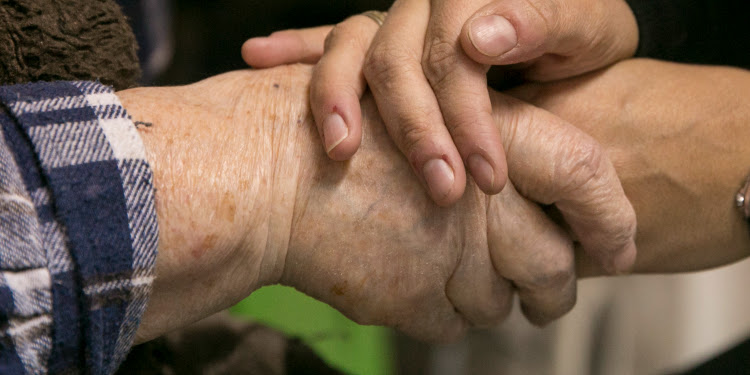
{"x":547,"y":12}
{"x":467,"y":124}
{"x":584,"y":163}
{"x":630,"y":223}
{"x":412,"y":133}
{"x":349,"y":35}
{"x":383,"y":64}
{"x":626,"y":220}
{"x":439,"y":60}
{"x":551,"y":279}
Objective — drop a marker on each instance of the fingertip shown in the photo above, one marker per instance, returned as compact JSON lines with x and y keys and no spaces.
{"x":501,"y":181}
{"x":251,"y":50}
{"x":346,"y":149}
{"x":445,"y":183}
{"x":534,"y":316}
{"x":284,"y":47}
{"x":489,"y":177}
{"x":340,"y":130}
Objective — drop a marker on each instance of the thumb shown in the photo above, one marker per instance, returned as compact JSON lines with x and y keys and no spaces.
{"x":510,"y":31}
{"x":583,"y":33}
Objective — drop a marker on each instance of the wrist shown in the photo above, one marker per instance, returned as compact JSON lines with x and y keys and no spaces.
{"x":226,"y":163}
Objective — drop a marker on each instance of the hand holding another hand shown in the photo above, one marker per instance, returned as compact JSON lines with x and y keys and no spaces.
{"x":427,"y":65}
{"x":676,"y":135}
{"x":399,"y":63}
{"x":245,"y":198}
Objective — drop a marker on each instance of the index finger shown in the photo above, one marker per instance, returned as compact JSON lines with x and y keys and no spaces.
{"x":460,"y":85}
{"x":407,"y":103}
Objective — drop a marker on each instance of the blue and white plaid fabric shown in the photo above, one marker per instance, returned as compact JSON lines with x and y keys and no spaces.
{"x":78,"y":230}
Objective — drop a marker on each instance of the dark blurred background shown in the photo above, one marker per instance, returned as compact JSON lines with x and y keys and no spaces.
{"x":207,"y":35}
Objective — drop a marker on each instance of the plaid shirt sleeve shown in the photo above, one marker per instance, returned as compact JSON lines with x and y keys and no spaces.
{"x":78,"y":230}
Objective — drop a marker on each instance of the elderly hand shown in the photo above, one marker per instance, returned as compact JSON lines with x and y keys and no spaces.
{"x":427,"y":65}
{"x":245,"y":198}
{"x":369,"y":241}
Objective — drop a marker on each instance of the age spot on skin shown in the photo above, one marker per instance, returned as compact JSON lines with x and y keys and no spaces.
{"x":339,"y":289}
{"x":207,"y":243}
{"x":227,"y":208}
{"x":276,"y":85}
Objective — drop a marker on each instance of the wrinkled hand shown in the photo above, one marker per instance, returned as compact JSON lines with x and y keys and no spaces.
{"x":589,"y":213}
{"x":427,"y":65}
{"x":369,"y":241}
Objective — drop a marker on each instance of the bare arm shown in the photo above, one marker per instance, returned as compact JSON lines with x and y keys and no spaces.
{"x":226,"y":155}
{"x":678,"y":136}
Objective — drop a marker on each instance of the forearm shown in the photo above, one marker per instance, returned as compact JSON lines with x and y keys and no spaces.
{"x":226,"y":176}
{"x":684,"y":165}
{"x":677,"y":135}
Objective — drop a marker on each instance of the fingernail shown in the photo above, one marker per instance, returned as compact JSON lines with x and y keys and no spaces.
{"x":334,"y":131}
{"x":481,"y":170}
{"x":492,"y":35}
{"x":439,"y":177}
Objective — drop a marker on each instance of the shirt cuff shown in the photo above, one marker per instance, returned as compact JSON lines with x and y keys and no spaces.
{"x":94,"y":197}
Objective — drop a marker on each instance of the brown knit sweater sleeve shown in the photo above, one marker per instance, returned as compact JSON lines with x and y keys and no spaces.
{"x":47,"y":40}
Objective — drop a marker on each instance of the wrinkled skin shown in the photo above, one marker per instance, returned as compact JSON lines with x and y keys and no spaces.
{"x":390,"y":254}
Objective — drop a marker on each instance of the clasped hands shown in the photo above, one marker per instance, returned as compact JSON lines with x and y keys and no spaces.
{"x":246,"y":195}
{"x":426,"y":67}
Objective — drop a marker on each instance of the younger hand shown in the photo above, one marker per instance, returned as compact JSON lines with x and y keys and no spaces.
{"x":427,"y":69}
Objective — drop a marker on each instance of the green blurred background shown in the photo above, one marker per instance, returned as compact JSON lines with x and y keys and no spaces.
{"x":343,"y":344}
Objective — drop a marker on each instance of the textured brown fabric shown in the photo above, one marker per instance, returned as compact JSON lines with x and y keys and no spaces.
{"x":46,"y":40}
